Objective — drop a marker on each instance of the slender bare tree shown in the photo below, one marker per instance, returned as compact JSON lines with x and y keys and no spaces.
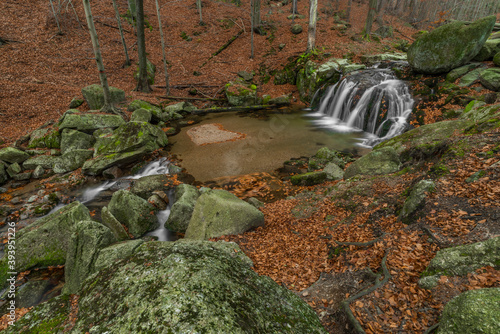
{"x":198,"y":5}
{"x":372,"y":9}
{"x":143,"y":82}
{"x":257,"y":21}
{"x":108,"y":107}
{"x":252,"y":13}
{"x":119,"y":21}
{"x":313,"y":18}
{"x":167,"y":86}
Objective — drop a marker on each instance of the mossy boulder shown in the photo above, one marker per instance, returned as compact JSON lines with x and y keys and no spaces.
{"x":156,"y":111}
{"x":380,"y":161}
{"x":471,"y":78}
{"x":187,"y":287}
{"x":90,"y":122}
{"x":44,"y":161}
{"x":312,"y":76}
{"x":94,"y":96}
{"x":70,"y":161}
{"x":370,"y":60}
{"x":490,"y":48}
{"x":309,"y":179}
{"x":490,"y":79}
{"x":182,"y":209}
{"x":475,"y":311}
{"x":131,"y":137}
{"x":133,"y":212}
{"x":12,"y":155}
{"x":461,"y":71}
{"x":99,"y":164}
{"x":75,"y":140}
{"x":496,"y":59}
{"x":45,"y":242}
{"x":141,"y":115}
{"x":146,"y":185}
{"x":45,"y":138}
{"x":296,"y":29}
{"x":333,"y":172}
{"x":461,"y":260}
{"x":449,"y":46}
{"x":83,"y":249}
{"x":108,"y":256}
{"x":241,"y":93}
{"x":3,"y":173}
{"x":416,"y":199}
{"x":218,"y":213}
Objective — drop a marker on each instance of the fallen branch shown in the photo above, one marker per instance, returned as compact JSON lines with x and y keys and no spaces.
{"x":228,"y":109}
{"x":191,"y":98}
{"x":360,"y":244}
{"x":404,"y":35}
{"x":345,"y":304}
{"x":431,"y":329}
{"x":222,"y":48}
{"x":111,"y":26}
{"x":440,"y":243}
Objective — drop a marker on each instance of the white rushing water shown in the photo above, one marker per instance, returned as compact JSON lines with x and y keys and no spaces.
{"x":373,"y":101}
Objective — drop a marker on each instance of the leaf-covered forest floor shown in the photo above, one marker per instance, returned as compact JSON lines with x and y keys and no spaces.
{"x":304,"y":238}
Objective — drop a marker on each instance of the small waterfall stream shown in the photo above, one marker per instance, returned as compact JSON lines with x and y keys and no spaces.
{"x":373,"y":101}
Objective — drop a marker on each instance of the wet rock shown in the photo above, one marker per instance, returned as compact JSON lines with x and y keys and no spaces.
{"x":416,"y":200}
{"x":449,"y":46}
{"x":45,"y":242}
{"x":182,"y":209}
{"x":75,"y":140}
{"x":475,"y":311}
{"x":45,"y":138}
{"x":113,"y":224}
{"x":380,"y":161}
{"x":12,"y":155}
{"x":490,"y":79}
{"x":94,"y":96}
{"x":134,"y":212}
{"x":83,"y":249}
{"x":112,"y":173}
{"x":218,"y":212}
{"x":90,"y":122}
{"x":313,"y":76}
{"x":99,"y":164}
{"x":157,"y":202}
{"x":146,"y":185}
{"x":141,"y":115}
{"x":309,"y":179}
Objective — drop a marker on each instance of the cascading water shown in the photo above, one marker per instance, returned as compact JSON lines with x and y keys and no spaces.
{"x":373,"y":101}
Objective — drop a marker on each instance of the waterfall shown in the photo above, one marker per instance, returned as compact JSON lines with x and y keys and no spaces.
{"x":373,"y":101}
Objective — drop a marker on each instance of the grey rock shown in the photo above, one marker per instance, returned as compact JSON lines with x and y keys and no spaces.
{"x":490,"y":48}
{"x":45,"y":138}
{"x":460,"y":71}
{"x":99,"y":164}
{"x":146,"y":185}
{"x":38,"y":172}
{"x":296,"y":29}
{"x":309,"y":179}
{"x":255,"y":202}
{"x":71,"y":160}
{"x":12,"y":155}
{"x":183,"y":207}
{"x":134,"y":212}
{"x":333,"y":172}
{"x":157,"y":202}
{"x":113,"y":224}
{"x":14,"y":169}
{"x":90,"y":122}
{"x":75,"y":103}
{"x":141,"y":115}
{"x":218,"y":212}
{"x":110,"y":255}
{"x":380,"y":161}
{"x":490,"y":78}
{"x":75,"y":140}
{"x":94,"y":96}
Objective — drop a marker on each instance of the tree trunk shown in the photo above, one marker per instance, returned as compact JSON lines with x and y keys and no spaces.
{"x":198,"y":5}
{"x":380,"y":12}
{"x":313,"y":17}
{"x":256,"y":20}
{"x":167,"y":86}
{"x":372,"y":9}
{"x":55,"y":17}
{"x":252,"y":13}
{"x":348,"y":11}
{"x":142,"y":83}
{"x":98,"y":57}
{"x":118,"y":20}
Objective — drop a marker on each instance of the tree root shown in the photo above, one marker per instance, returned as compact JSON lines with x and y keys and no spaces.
{"x":431,"y":329}
{"x":345,"y":304}
{"x":440,"y":243}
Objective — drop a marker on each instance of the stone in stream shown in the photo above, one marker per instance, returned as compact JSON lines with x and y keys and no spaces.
{"x":83,"y":249}
{"x":475,"y":311}
{"x":99,"y":164}
{"x":45,"y":242}
{"x":218,"y":212}
{"x":177,"y":287}
{"x":94,"y":96}
{"x":182,"y":209}
{"x":134,"y":212}
{"x":449,"y":46}
{"x":146,"y":185}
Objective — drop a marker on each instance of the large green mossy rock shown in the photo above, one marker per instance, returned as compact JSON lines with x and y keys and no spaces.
{"x":461,"y":71}
{"x":475,"y":311}
{"x":99,"y":164}
{"x":156,"y":112}
{"x":490,"y":48}
{"x":218,"y":213}
{"x":449,"y":46}
{"x":309,"y":179}
{"x":45,"y":138}
{"x":371,"y":60}
{"x":83,"y":249}
{"x":44,"y":161}
{"x":151,"y":72}
{"x":12,"y":155}
{"x":312,"y":76}
{"x":131,"y":137}
{"x":471,"y":78}
{"x":45,"y":242}
{"x":496,"y":60}
{"x":113,"y":224}
{"x":377,"y":162}
{"x":70,"y":161}
{"x":181,"y":211}
{"x":110,"y":255}
{"x":90,"y":122}
{"x":461,"y":260}
{"x":490,"y":79}
{"x":141,"y":115}
{"x":146,"y":185}
{"x":75,"y":140}
{"x":134,"y":212}
{"x":180,"y":287}
{"x":94,"y":96}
